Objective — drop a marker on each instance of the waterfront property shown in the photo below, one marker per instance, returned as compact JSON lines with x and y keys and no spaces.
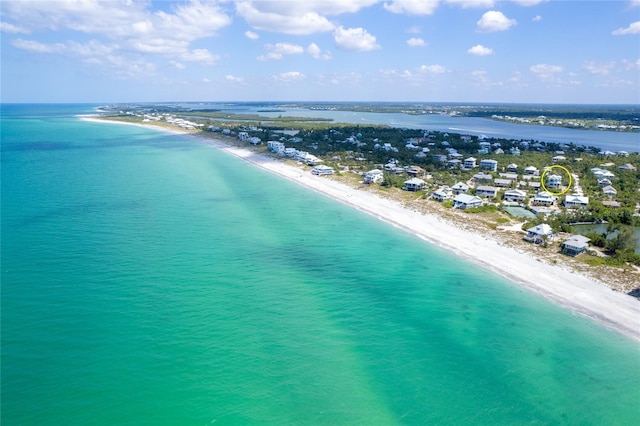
{"x":539,"y":234}
{"x":576,"y":201}
{"x":465,"y":201}
{"x":373,"y":176}
{"x":575,"y":245}
{"x":414,"y":184}
{"x":442,"y":194}
{"x":322,"y":170}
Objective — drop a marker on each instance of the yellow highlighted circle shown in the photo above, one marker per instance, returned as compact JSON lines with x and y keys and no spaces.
{"x":547,"y":171}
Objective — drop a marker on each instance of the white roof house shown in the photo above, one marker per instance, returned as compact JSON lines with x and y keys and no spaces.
{"x":460,"y":188}
{"x":469,"y":163}
{"x":610,"y":191}
{"x":373,"y":176}
{"x":544,"y":198}
{"x":531,"y":170}
{"x":322,"y":170}
{"x":554,"y":181}
{"x":515,"y":195}
{"x":442,"y":194}
{"x":414,"y":184}
{"x":539,"y":233}
{"x":489,"y":164}
{"x":576,"y":201}
{"x":464,"y":201}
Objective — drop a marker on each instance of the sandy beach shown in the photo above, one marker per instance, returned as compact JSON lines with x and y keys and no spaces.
{"x":577,"y":292}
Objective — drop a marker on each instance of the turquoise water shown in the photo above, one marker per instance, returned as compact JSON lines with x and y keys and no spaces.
{"x":148,"y":279}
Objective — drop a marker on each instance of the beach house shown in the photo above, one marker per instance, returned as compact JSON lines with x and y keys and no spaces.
{"x":373,"y":176}
{"x":554,"y":181}
{"x":531,"y":170}
{"x":610,"y":191}
{"x":460,"y":188}
{"x":539,"y":234}
{"x":575,"y":245}
{"x":322,"y":170}
{"x":576,"y":201}
{"x":513,"y":167}
{"x":515,"y":195}
{"x":464,"y":201}
{"x":482,"y":177}
{"x":442,"y":194}
{"x":486,"y":191}
{"x":503,"y":183}
{"x":276,"y":147}
{"x":469,"y":163}
{"x":414,"y":184}
{"x":489,"y":164}
{"x":544,"y":198}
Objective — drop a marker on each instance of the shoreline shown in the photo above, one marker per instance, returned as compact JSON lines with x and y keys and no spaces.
{"x":580,"y":294}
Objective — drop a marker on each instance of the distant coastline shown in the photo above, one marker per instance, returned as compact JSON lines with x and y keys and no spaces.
{"x":563,"y":285}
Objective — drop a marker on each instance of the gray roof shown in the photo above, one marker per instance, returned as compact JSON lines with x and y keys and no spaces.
{"x":577,"y":241}
{"x":466,"y":199}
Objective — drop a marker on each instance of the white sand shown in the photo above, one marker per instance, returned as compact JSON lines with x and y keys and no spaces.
{"x":579,"y":293}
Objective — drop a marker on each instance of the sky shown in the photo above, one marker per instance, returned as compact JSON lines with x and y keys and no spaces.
{"x":516,"y":51}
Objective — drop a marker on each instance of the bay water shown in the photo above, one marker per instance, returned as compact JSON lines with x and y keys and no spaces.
{"x":149,"y":279}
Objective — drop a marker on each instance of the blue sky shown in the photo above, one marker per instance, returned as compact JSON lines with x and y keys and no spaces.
{"x":321,"y":50}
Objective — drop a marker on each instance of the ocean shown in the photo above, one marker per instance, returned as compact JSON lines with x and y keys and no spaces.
{"x":149,"y":279}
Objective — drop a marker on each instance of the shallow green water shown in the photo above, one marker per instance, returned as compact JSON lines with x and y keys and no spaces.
{"x":150,"y":279}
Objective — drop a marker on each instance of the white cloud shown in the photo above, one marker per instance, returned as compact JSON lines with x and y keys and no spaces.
{"x":537,"y":18}
{"x":276,"y":52}
{"x":290,"y":76}
{"x":70,"y":48}
{"x":234,"y":79}
{"x":469,"y":4}
{"x":177,"y":65}
{"x":631,"y":65}
{"x":494,"y":21}
{"x":13,"y":29}
{"x":545,"y":71}
{"x":598,"y":68}
{"x":414,"y":30}
{"x":633,"y":28}
{"x":133,"y":28}
{"x":199,"y":55}
{"x":315,"y":51}
{"x":432,"y":69}
{"x":635,"y":3}
{"x":416,"y":42}
{"x":354,"y":39}
{"x":306,"y":23}
{"x":412,"y":7}
{"x":251,"y":35}
{"x":529,"y":3}
{"x":480,"y":50}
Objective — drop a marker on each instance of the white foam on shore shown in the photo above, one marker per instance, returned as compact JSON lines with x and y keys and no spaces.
{"x":581,"y":294}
